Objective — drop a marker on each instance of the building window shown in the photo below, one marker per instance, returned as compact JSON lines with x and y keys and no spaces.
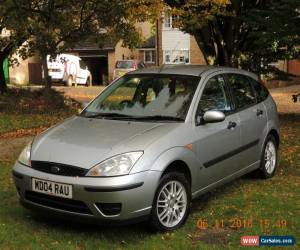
{"x":176,"y":56}
{"x":149,"y":56}
{"x":167,"y":21}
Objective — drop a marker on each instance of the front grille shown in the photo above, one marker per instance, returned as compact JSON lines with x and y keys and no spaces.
{"x":109,"y":208}
{"x":57,"y":202}
{"x":58,"y":168}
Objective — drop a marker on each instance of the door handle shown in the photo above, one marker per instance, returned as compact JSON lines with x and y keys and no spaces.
{"x":259,"y":112}
{"x":231,"y":125}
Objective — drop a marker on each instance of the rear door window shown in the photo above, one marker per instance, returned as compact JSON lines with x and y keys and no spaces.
{"x":242,"y":90}
{"x":261,"y":91}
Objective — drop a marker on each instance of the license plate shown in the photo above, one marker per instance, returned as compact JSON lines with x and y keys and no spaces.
{"x":52,"y":188}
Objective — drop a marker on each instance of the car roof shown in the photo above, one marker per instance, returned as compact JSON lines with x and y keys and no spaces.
{"x":191,"y":70}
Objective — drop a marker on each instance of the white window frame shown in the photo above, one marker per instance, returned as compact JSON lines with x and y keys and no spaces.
{"x":151,"y":55}
{"x":167,"y":20}
{"x":173,"y":53}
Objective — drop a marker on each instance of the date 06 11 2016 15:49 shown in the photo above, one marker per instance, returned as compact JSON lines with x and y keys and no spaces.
{"x":236,"y":223}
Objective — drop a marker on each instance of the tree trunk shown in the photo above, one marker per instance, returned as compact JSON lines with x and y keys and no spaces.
{"x":47,"y":78}
{"x":3,"y":87}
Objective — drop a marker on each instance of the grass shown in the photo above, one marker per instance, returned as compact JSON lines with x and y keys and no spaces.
{"x":27,"y":109}
{"x":14,"y":122}
{"x":263,"y":207}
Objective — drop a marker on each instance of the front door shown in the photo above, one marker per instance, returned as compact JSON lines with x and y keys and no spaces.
{"x":216,"y":143}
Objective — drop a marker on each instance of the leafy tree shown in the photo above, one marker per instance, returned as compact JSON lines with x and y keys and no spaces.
{"x":13,"y":34}
{"x":58,"y":25}
{"x":246,"y":33}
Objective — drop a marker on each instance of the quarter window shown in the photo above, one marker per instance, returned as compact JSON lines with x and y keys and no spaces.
{"x":242,"y":90}
{"x":214,"y":96}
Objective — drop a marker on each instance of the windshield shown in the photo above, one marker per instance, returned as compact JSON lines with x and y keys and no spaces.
{"x":161,"y":97}
{"x":125,"y":65}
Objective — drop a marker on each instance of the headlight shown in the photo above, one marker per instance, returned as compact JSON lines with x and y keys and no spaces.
{"x":24,"y":157}
{"x":117,"y":165}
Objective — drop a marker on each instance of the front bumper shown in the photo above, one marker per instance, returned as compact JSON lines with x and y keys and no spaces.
{"x":135,"y":193}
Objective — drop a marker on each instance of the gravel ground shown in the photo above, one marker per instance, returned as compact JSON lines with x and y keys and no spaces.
{"x":283,"y":98}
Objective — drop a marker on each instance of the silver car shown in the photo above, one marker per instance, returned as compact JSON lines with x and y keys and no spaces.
{"x":150,"y":143}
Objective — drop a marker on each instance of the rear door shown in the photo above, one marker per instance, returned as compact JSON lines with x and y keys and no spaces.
{"x":253,"y":118}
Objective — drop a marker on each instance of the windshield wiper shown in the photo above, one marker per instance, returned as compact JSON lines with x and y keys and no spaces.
{"x":159,"y":118}
{"x":138,"y":118}
{"x":108,"y":115}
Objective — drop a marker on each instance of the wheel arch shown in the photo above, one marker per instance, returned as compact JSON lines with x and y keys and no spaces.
{"x":178,"y":166}
{"x":275,"y":134}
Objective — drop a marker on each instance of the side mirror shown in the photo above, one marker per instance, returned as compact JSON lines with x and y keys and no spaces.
{"x":213,"y":116}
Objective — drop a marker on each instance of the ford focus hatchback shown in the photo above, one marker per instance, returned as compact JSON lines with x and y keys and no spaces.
{"x":150,"y":143}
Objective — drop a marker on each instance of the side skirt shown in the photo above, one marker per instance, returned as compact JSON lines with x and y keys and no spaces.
{"x":226,"y":179}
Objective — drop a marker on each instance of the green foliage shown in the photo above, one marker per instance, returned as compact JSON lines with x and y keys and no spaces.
{"x":246,"y":33}
{"x":51,"y":27}
{"x":57,"y":26}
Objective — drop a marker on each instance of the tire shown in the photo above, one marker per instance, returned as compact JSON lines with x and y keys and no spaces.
{"x":269,"y":158}
{"x":69,"y":81}
{"x":163,"y":218}
{"x":88,"y":82}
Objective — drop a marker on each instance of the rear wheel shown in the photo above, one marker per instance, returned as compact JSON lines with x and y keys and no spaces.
{"x":171,"y":205}
{"x":269,"y":158}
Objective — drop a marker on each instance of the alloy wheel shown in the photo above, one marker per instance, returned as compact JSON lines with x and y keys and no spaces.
{"x":171,"y":203}
{"x":270,"y":157}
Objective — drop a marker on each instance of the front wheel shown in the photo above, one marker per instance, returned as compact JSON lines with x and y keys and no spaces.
{"x":171,"y":205}
{"x":269,"y":158}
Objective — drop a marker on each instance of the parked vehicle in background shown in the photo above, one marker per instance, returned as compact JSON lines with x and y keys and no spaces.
{"x":150,"y":143}
{"x":69,"y":69}
{"x":124,"y":66}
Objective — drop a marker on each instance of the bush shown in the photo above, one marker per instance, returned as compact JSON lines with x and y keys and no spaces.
{"x":41,"y":101}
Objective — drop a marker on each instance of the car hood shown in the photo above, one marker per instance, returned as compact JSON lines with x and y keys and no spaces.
{"x":85,"y":142}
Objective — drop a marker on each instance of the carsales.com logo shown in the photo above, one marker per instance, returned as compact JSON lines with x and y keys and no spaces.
{"x":267,"y":240}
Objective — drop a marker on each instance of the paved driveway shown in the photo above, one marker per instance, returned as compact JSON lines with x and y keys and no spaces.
{"x":282,"y":96}
{"x":81,"y":93}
